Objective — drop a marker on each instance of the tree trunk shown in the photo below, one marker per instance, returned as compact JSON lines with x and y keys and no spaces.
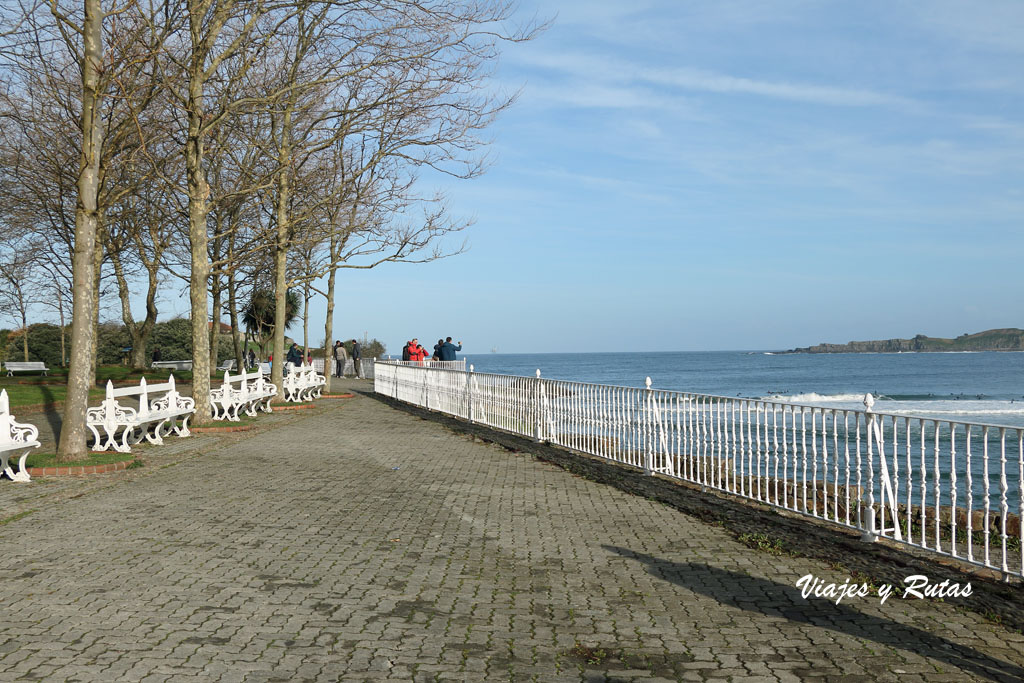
{"x":97,"y":264}
{"x":72,"y":445}
{"x":24,"y":336}
{"x":281,"y":252}
{"x":198,"y":195}
{"x":63,"y":330}
{"x":305,"y":322}
{"x":215,"y":319}
{"x":329,"y":331}
{"x":236,"y":333}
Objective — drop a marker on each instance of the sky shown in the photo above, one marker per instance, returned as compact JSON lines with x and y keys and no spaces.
{"x":726,"y":174}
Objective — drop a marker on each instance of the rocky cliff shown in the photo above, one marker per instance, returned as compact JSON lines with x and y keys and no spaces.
{"x":1009,"y":339}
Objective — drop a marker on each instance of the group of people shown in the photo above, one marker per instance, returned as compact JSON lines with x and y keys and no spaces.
{"x":340,"y":354}
{"x":444,"y":349}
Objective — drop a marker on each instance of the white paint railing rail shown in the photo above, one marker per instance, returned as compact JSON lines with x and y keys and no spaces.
{"x":436,"y":364}
{"x":952,"y":488}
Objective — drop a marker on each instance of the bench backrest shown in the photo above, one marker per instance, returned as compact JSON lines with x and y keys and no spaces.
{"x":12,"y":432}
{"x":142,"y":390}
{"x":174,"y":364}
{"x":22,"y":365}
{"x":244,"y":377}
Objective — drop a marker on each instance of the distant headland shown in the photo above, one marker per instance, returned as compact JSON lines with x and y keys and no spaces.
{"x":1008,"y":339}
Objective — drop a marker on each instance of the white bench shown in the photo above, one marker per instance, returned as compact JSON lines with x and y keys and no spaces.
{"x":227,"y":365}
{"x":162,"y":413}
{"x":302,"y":383}
{"x":15,"y":439}
{"x":252,"y":393}
{"x":181,"y":365}
{"x":35,"y":366}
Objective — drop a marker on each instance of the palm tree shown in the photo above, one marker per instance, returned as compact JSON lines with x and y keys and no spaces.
{"x":258,"y":315}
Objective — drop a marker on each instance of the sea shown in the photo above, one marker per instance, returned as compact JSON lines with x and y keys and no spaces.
{"x":981,"y":387}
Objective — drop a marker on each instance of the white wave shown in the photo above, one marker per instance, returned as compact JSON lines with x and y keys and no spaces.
{"x":816,"y":398}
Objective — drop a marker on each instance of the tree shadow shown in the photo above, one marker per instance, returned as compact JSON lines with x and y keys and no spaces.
{"x":50,"y":411}
{"x":769,"y":598}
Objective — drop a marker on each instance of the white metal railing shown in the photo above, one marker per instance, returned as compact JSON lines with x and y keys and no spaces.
{"x":365,"y":365}
{"x":952,"y":488}
{"x":442,"y":364}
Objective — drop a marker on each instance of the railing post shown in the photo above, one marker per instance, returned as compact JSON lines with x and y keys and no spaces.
{"x":426,"y":389}
{"x":868,"y":530}
{"x":648,"y":429}
{"x":469,"y":394}
{"x":538,"y":411}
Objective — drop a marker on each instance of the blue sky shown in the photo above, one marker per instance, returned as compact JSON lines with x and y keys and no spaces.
{"x":733,"y":175}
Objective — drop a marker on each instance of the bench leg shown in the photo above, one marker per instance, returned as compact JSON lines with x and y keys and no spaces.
{"x":156,"y":437}
{"x":182,"y":430}
{"x":98,"y":442}
{"x":21,"y":474}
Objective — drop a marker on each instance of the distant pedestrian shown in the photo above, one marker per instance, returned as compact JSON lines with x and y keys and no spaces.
{"x":251,"y":358}
{"x":437,"y":349}
{"x":448,"y":349}
{"x":340,"y":356}
{"x":406,"y":350}
{"x":309,"y":357}
{"x":416,"y":351}
{"x":357,"y":357}
{"x":294,"y":356}
{"x":156,"y":355}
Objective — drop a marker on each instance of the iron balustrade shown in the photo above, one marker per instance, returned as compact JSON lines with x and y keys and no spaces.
{"x":947,"y":487}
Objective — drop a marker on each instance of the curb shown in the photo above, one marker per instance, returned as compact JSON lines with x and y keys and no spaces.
{"x":86,"y":469}
{"x":299,"y":407}
{"x":338,"y":396}
{"x":214,"y":430}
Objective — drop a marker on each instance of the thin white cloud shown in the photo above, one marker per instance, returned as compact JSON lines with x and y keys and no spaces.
{"x":588,"y":70}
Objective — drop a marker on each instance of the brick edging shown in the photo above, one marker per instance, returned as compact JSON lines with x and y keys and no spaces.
{"x":83,"y":469}
{"x":338,"y":396}
{"x":293,"y":407}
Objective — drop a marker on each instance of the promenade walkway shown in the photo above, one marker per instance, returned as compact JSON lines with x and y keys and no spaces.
{"x":360,"y":542}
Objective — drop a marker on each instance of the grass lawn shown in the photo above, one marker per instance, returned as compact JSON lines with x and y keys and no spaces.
{"x":28,"y":389}
{"x":50,"y":459}
{"x":35,"y":394}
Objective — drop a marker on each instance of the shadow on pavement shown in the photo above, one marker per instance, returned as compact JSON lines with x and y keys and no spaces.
{"x":53,"y":415}
{"x":766,"y":597}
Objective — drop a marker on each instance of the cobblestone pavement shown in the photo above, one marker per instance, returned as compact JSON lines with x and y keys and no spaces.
{"x":359,"y":542}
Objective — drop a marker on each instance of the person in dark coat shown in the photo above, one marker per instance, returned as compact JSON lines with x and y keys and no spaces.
{"x":437,"y":349}
{"x":340,"y":356}
{"x":294,"y":355}
{"x":448,"y":349}
{"x":156,"y":355}
{"x":406,"y":349}
{"x":357,"y":355}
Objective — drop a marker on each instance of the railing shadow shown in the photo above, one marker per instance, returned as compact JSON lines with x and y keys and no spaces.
{"x":769,"y":598}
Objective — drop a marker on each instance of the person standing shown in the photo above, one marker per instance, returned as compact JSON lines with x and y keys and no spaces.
{"x":294,"y":356}
{"x":251,"y":357}
{"x":448,"y":349}
{"x":156,"y":355}
{"x":437,"y":350}
{"x":357,"y":356}
{"x":340,"y":357}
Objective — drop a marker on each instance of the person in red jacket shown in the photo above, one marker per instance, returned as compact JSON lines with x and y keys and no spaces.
{"x":414,"y":350}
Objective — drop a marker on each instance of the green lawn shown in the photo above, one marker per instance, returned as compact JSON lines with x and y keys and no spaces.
{"x":50,"y":459}
{"x":27,"y":389}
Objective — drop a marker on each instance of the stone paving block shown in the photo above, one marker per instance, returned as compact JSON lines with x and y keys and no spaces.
{"x":468,"y":563}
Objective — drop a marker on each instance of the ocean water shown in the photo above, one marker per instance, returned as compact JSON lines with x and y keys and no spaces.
{"x":985,"y":387}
